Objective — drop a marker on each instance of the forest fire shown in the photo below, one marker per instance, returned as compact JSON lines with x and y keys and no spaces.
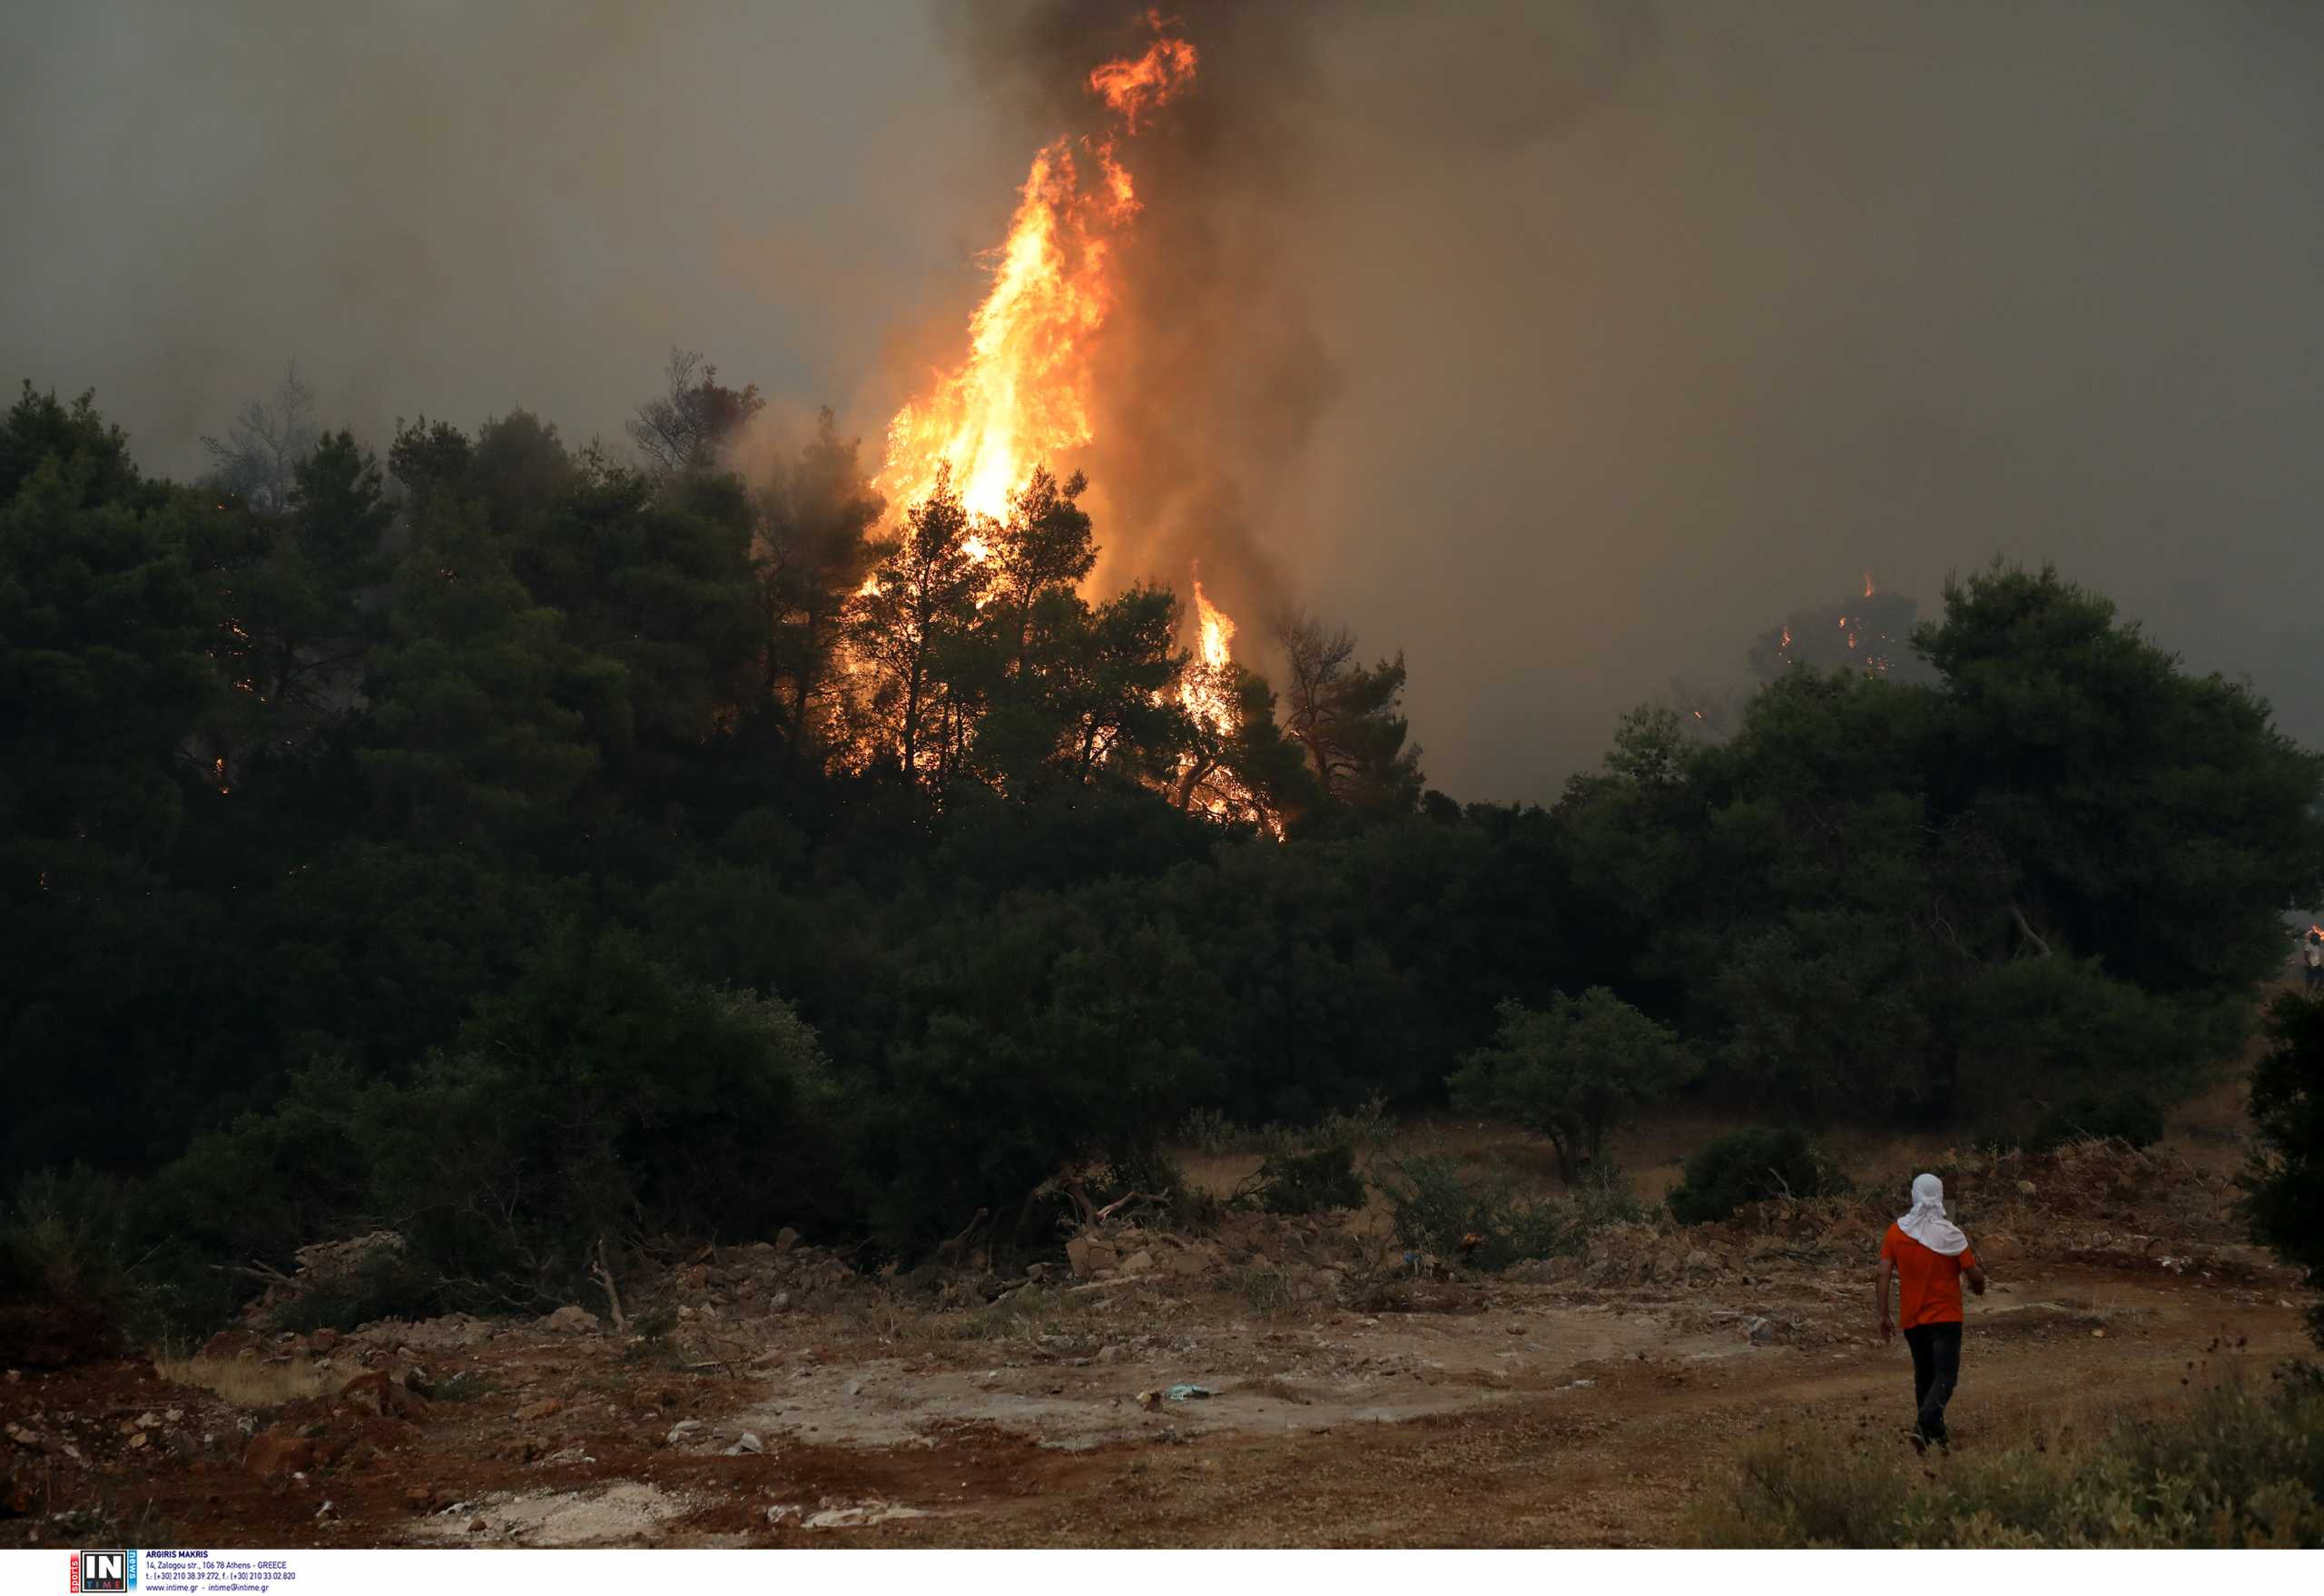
{"x":1021,"y":399}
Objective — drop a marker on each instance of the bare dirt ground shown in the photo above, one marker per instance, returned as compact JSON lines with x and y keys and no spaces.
{"x":1356,"y":1398}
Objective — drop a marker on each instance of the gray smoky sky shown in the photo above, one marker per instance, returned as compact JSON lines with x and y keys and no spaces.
{"x":1563,"y":347}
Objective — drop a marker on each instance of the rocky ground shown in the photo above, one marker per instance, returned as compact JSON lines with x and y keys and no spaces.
{"x":1280,"y":1382}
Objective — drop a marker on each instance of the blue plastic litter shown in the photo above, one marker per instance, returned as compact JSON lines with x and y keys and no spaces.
{"x":1185,"y":1392}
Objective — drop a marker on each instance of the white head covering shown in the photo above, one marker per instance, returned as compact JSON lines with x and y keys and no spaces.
{"x":1927,"y":1225}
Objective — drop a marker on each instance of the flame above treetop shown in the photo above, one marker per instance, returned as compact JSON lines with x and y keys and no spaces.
{"x":1021,"y":398}
{"x":1154,"y":79}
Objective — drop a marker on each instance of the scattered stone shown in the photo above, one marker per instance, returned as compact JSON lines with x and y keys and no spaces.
{"x":779,"y":1303}
{"x":15,"y":1375}
{"x":1140,"y":1262}
{"x":2098,"y":1335}
{"x":1758,"y":1330}
{"x":477,"y":1526}
{"x":322,"y":1341}
{"x":748,"y":1442}
{"x":533,"y":1411}
{"x":1191,"y":1261}
{"x":1033,"y":1272}
{"x":1087,"y":1256}
{"x":2025,"y":1188}
{"x":175,"y":1415}
{"x":571,"y":1320}
{"x":139,"y":1442}
{"x":684,"y":1428}
{"x":1113,"y":1355}
{"x":23,"y":1437}
{"x":785,"y":1240}
{"x":420,"y":1498}
{"x":1149,"y":1399}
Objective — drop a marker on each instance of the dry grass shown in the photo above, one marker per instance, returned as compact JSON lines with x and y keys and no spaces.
{"x":247,"y":1383}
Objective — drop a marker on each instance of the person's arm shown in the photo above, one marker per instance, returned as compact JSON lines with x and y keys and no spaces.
{"x":1882,"y":1271}
{"x":1974,"y":1274}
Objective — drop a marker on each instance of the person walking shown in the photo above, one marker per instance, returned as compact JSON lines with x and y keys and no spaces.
{"x":1928,"y":1258}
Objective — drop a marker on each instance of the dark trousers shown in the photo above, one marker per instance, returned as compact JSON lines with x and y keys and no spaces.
{"x":1936,"y":1370}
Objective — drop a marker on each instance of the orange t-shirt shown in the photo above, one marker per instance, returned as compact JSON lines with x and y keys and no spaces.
{"x":1931,"y":1282}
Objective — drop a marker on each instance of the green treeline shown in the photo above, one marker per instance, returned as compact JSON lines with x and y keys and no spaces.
{"x":512,"y":847}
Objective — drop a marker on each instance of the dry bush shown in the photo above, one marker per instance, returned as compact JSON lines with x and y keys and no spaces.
{"x":248,"y":1381}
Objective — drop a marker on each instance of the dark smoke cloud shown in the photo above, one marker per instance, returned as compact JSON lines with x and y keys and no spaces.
{"x":1566,"y":347}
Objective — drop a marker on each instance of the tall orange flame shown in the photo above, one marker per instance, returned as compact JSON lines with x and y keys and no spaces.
{"x":1205,"y":691}
{"x":1021,"y":398}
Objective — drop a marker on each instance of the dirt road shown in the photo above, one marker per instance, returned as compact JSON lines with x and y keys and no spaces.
{"x":1354,"y":1400}
{"x":1509,"y":1415}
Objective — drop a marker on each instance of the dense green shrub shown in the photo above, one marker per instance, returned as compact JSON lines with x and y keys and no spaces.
{"x":2286,"y":1181}
{"x":386,"y":1284}
{"x":1434,"y":1208}
{"x":2129,"y":1117}
{"x":601,"y":1096}
{"x":1311,"y":1182}
{"x":1750,"y":1166}
{"x":67,"y":1289}
{"x":2240,"y":1467}
{"x":1572,"y":1072}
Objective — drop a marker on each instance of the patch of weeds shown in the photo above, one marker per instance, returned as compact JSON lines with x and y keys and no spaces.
{"x":1211,"y":1133}
{"x":1265,"y":1291}
{"x":1435,"y":1209}
{"x":2238,"y":1466}
{"x":464,"y":1386}
{"x":1306,"y":1183}
{"x":247,"y":1384}
{"x":649,"y":1336}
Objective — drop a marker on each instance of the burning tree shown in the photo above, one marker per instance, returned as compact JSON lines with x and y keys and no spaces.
{"x":970,"y":645}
